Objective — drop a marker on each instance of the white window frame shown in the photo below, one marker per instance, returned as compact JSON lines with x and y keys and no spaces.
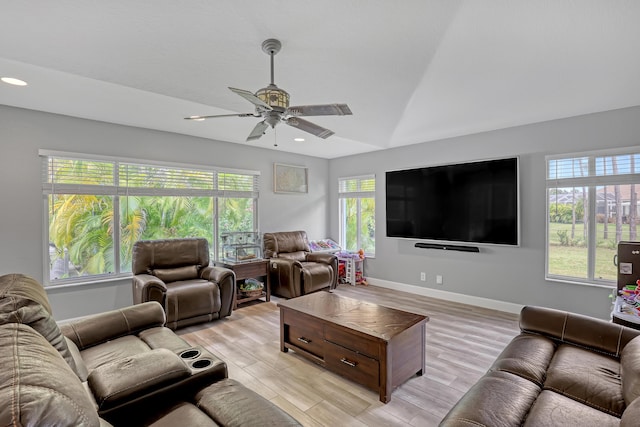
{"x":359,"y":194}
{"x":217,"y":190}
{"x":591,"y":179}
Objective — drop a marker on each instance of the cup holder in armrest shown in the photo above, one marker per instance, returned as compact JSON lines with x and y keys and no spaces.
{"x":192,"y":353}
{"x":201,"y":363}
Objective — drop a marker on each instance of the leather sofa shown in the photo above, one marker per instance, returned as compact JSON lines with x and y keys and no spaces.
{"x":563,"y":369}
{"x":176,"y":273}
{"x":122,"y":367}
{"x":294,"y":269}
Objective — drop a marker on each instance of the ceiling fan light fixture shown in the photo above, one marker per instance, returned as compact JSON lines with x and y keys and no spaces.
{"x":274,"y":97}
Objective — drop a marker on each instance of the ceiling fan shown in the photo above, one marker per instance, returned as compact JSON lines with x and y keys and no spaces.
{"x":272,"y":104}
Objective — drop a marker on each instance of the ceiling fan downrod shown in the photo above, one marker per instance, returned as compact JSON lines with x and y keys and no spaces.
{"x":271,"y":47}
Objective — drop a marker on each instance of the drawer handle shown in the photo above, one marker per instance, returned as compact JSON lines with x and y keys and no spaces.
{"x":348,"y":362}
{"x":304,"y":340}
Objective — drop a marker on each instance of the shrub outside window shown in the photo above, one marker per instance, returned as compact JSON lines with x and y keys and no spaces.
{"x":97,"y":208}
{"x":357,"y":213}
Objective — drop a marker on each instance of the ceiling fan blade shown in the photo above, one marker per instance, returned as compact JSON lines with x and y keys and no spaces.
{"x":320,"y":110}
{"x":307,"y":126}
{"x":251,"y":98}
{"x":257,"y":131}
{"x":220,"y":115}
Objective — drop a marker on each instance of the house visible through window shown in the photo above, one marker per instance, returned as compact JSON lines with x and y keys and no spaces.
{"x":592,"y":204}
{"x":357,"y":213}
{"x":97,"y":208}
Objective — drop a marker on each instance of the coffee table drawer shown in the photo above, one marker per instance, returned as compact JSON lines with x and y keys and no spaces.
{"x":303,"y":332}
{"x":354,"y":366}
{"x":351,"y":341}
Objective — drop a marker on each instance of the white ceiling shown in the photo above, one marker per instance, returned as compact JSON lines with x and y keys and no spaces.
{"x":412,"y":71}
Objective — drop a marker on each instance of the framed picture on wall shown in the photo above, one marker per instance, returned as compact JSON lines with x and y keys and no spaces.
{"x":290,"y":179}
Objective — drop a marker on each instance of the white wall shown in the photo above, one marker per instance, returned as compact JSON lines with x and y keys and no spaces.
{"x":514,"y":275}
{"x":24,"y":132}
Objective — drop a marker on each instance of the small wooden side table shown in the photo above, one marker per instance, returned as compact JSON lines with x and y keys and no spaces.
{"x":247,"y":270}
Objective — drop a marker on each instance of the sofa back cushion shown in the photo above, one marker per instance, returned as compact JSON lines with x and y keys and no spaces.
{"x":280,"y":243}
{"x":37,"y":387}
{"x":168,"y":275}
{"x":584,"y":331}
{"x":630,"y":371}
{"x":24,"y":300}
{"x":109,"y":325}
{"x":149,"y":255}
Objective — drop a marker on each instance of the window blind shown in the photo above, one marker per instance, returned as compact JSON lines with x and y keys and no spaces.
{"x":70,"y":175}
{"x":357,"y":186}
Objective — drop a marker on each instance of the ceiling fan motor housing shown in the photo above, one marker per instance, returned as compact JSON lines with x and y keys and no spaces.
{"x":277,"y":98}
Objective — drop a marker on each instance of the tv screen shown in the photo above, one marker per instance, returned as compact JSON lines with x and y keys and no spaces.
{"x":469,"y":202}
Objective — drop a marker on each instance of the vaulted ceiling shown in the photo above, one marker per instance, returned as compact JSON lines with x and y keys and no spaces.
{"x":411,"y":71}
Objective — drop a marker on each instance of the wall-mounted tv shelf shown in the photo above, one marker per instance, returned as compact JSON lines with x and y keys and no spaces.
{"x":447,"y":247}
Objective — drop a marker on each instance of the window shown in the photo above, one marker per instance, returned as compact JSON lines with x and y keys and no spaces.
{"x":592,"y":204}
{"x":357,"y":213}
{"x":97,"y":208}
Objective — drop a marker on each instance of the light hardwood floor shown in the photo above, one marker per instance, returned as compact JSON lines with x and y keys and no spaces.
{"x":462,"y":342}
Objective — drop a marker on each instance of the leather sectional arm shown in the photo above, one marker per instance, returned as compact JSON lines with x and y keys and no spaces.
{"x":98,"y":328}
{"x":287,"y":271}
{"x":148,"y":288}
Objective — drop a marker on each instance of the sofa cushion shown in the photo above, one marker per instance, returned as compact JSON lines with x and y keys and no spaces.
{"x":183,"y":414}
{"x":630,"y":371}
{"x":99,"y":328}
{"x":163,"y":337}
{"x":37,"y":387}
{"x":528,"y":356}
{"x":168,"y":253}
{"x":229,"y":403}
{"x":24,"y":300}
{"x":167,"y":275}
{"x":596,"y":334}
{"x":121,"y":380}
{"x":284,"y":242}
{"x":294,"y":256}
{"x":553,"y":409}
{"x":587,"y":377}
{"x":316,"y":276}
{"x":192,"y":298}
{"x":497,"y":399}
{"x":128,"y":346}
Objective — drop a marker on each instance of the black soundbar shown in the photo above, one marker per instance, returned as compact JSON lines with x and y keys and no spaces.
{"x":446,"y":247}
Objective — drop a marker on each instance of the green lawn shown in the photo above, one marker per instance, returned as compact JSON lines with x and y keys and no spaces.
{"x":572,"y":260}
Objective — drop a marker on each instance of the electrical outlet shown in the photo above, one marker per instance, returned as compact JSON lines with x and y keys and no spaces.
{"x":423,"y":276}
{"x":438,"y":280}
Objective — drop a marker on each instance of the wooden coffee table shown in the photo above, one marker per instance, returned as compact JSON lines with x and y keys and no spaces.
{"x":378,"y":347}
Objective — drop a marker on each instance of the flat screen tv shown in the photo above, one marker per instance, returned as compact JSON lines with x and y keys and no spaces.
{"x":468,"y":202}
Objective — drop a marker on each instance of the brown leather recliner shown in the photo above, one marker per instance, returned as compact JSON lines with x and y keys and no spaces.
{"x":294,"y":269}
{"x":176,"y":273}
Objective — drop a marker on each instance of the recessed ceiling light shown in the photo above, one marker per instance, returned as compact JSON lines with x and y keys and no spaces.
{"x":13,"y":81}
{"x":298,"y":139}
{"x":196,"y":118}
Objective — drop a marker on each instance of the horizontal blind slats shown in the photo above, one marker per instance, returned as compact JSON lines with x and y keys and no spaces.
{"x":85,"y":176}
{"x":360,"y":186}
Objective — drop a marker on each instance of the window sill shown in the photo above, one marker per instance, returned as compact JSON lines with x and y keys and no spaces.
{"x":88,"y":282}
{"x":610,"y":286}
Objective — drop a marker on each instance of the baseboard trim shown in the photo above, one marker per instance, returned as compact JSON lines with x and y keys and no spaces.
{"x":508,"y":307}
